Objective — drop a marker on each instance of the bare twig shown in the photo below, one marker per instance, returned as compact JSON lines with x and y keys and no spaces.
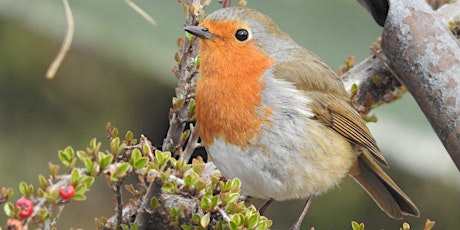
{"x":65,"y":44}
{"x":226,"y":3}
{"x":140,"y":11}
{"x":192,"y":143}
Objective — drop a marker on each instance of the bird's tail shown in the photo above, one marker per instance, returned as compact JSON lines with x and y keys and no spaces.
{"x":383,"y":190}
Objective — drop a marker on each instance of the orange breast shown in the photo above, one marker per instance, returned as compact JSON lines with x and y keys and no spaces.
{"x":229,"y":91}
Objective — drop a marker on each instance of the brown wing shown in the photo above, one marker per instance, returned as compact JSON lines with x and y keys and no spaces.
{"x":340,"y":116}
{"x":330,"y":101}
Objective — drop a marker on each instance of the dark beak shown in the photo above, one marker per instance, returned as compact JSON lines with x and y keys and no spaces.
{"x":199,"y":31}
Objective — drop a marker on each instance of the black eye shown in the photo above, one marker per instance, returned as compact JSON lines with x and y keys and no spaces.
{"x":242,"y":35}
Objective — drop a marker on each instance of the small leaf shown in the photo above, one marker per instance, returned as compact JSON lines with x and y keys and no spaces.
{"x":74,"y":177}
{"x":79,"y":197}
{"x":82,"y":155}
{"x":405,"y":226}
{"x":88,"y":181}
{"x":43,"y":182}
{"x":135,"y":155}
{"x":429,"y":224}
{"x":114,"y":145}
{"x":191,"y":179}
{"x":53,"y":169}
{"x":129,"y":136}
{"x":253,"y":221}
{"x":9,"y":209}
{"x":189,"y":36}
{"x":232,"y":198}
{"x":141,"y":163}
{"x":356,"y":226}
{"x":154,"y":204}
{"x":88,"y":165}
{"x":192,"y":107}
{"x":51,"y":195}
{"x":204,"y":221}
{"x":25,"y":190}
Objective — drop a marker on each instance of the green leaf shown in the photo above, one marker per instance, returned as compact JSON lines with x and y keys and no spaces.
{"x":185,"y":135}
{"x":75,"y":177}
{"x":51,"y":195}
{"x":238,"y":220}
{"x":88,"y":181}
{"x":188,"y":35}
{"x":204,"y":221}
{"x":88,"y":165}
{"x":25,"y":190}
{"x":133,"y":226}
{"x":196,"y":218}
{"x":82,"y":155}
{"x":105,"y":160}
{"x":43,"y":182}
{"x":175,"y":211}
{"x":161,"y":158}
{"x":79,"y":197}
{"x":123,"y":168}
{"x":264,"y":223}
{"x":253,"y":221}
{"x":129,"y":136}
{"x":354,"y":88}
{"x":67,"y":157}
{"x":169,"y":187}
{"x":191,"y":179}
{"x":114,"y":145}
{"x":231,"y":198}
{"x":154,"y":203}
{"x":357,"y":226}
{"x":141,"y":163}
{"x":53,"y":169}
{"x":43,"y":214}
{"x":135,"y":155}
{"x":9,"y":209}
{"x":235,"y":185}
{"x":93,"y":144}
{"x":192,"y":107}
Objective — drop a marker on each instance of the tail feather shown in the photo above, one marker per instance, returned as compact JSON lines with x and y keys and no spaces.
{"x":383,"y":190}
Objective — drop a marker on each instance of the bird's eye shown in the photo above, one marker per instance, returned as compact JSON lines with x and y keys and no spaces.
{"x":242,"y":35}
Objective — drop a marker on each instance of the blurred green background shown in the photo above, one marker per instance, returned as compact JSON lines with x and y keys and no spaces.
{"x":118,"y":70}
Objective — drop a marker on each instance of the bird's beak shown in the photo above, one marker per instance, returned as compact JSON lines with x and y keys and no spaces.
{"x":199,"y":31}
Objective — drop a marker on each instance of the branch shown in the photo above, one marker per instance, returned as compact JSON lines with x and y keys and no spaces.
{"x":427,"y":57}
{"x":420,"y":49}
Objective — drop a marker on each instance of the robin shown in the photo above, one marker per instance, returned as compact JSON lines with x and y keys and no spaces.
{"x":274,"y":115}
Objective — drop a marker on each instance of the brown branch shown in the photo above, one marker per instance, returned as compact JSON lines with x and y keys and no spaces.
{"x":186,"y":72}
{"x":427,"y":57}
{"x":418,"y":46}
{"x":226,"y":3}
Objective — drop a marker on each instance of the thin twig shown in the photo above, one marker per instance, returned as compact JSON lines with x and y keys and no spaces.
{"x":223,"y":214}
{"x":139,"y":10}
{"x":118,"y":195}
{"x":65,"y":44}
{"x":192,"y":143}
{"x":227,"y":3}
{"x":377,"y":54}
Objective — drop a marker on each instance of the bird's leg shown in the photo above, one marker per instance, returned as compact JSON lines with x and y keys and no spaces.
{"x":264,"y":207}
{"x":297,"y":224}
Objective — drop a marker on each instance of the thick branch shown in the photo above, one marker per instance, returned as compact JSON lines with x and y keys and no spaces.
{"x":426,"y":56}
{"x":417,"y":52}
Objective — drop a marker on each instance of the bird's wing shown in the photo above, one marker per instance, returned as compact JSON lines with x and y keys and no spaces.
{"x":329,"y":99}
{"x":340,"y":116}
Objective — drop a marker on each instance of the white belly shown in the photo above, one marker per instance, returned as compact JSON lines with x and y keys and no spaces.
{"x":287,"y":165}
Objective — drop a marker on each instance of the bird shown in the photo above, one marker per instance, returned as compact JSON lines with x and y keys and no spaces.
{"x":276,"y":116}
